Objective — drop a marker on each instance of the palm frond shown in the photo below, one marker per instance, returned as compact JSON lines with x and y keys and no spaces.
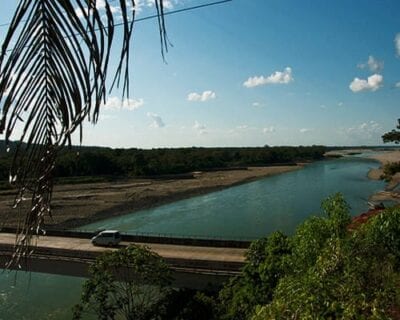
{"x":53,"y":78}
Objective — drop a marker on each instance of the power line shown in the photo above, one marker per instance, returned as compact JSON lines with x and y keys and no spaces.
{"x":8,"y":23}
{"x":185,"y":9}
{"x":155,"y":16}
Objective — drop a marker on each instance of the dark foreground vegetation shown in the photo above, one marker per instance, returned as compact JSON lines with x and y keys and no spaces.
{"x":95,"y":161}
{"x":323,"y":271}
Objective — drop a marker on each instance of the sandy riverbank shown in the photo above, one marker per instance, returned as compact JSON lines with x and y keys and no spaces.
{"x":77,"y":205}
{"x":383,"y":157}
{"x":389,"y":193}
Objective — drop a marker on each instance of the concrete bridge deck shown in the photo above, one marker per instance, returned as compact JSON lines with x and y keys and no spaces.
{"x":195,"y":267}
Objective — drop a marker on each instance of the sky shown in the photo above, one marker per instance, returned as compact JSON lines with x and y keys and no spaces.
{"x":255,"y":73}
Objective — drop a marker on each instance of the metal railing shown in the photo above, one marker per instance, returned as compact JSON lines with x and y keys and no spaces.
{"x":160,"y":238}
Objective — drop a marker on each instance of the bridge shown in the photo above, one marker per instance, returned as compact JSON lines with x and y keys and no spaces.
{"x":195,"y":263}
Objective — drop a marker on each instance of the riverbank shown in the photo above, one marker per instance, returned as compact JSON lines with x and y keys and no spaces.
{"x":78,"y":205}
{"x":391,"y":192}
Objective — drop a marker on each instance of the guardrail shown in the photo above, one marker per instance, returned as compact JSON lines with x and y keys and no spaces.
{"x":149,"y":238}
{"x":87,"y":257}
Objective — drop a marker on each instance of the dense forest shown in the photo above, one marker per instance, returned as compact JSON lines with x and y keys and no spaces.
{"x":96,"y":161}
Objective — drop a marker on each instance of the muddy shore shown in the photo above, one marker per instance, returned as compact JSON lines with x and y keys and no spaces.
{"x":76,"y":205}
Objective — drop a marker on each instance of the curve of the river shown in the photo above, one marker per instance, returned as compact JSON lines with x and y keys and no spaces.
{"x":247,"y":211}
{"x":255,"y":209}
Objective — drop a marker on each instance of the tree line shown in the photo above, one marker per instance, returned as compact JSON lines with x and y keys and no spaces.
{"x":96,"y":161}
{"x":138,"y":162}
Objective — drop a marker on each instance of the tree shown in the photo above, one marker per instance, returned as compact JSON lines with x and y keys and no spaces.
{"x":54,"y":75}
{"x":323,"y":271}
{"x":392,"y":136}
{"x":265,"y":265}
{"x":130,"y":283}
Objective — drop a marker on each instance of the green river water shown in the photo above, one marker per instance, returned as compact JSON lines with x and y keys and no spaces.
{"x":247,"y":211}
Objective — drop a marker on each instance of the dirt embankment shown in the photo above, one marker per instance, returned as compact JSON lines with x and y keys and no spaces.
{"x":77,"y":205}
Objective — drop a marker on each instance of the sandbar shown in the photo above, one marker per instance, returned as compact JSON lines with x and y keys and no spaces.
{"x":75,"y":205}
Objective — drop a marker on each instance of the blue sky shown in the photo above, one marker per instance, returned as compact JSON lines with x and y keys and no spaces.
{"x":256,"y":72}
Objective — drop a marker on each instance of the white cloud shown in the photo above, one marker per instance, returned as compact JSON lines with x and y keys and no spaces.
{"x":373,"y":83}
{"x":340,"y":104}
{"x":363,"y":133}
{"x":115,"y":103}
{"x":270,"y":129}
{"x":258,"y":104}
{"x":198,"y":126}
{"x":305,"y":130}
{"x":116,"y":9}
{"x":205,"y":96}
{"x":397,"y":85}
{"x":104,"y":117}
{"x":367,"y":128}
{"x":242,"y":127}
{"x":372,"y":64}
{"x":79,"y":13}
{"x":278,"y":77}
{"x":101,"y":5}
{"x":397,"y":44}
{"x":168,"y":4}
{"x":201,"y":128}
{"x":157,"y":120}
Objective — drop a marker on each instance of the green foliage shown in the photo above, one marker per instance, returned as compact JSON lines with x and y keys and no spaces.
{"x":349,"y":281}
{"x":96,"y":161}
{"x":136,"y":162}
{"x":392,"y":136}
{"x":130,"y":283}
{"x":310,"y":237}
{"x":390,"y":169}
{"x":265,"y":265}
{"x":338,"y":212}
{"x":384,"y":229}
{"x":324,"y":271}
{"x":197,"y":306}
{"x":315,"y":233}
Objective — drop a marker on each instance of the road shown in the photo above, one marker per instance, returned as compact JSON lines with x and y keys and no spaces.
{"x":166,"y":251}
{"x":193,"y":267}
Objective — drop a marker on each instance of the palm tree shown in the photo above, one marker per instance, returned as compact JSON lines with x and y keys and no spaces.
{"x":52,"y":78}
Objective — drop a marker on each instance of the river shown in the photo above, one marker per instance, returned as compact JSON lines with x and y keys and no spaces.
{"x":255,"y":209}
{"x":247,"y":211}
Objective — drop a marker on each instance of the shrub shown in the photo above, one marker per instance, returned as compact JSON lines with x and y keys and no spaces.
{"x":390,"y":169}
{"x":322,"y":272}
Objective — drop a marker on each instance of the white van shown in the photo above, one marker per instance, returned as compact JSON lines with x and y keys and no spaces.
{"x":107,"y":238}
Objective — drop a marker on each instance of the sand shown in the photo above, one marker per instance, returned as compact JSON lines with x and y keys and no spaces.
{"x":79,"y":204}
{"x":389,"y":193}
{"x":75,"y":205}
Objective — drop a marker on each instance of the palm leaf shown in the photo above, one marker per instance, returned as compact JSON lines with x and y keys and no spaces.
{"x":53,"y":78}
